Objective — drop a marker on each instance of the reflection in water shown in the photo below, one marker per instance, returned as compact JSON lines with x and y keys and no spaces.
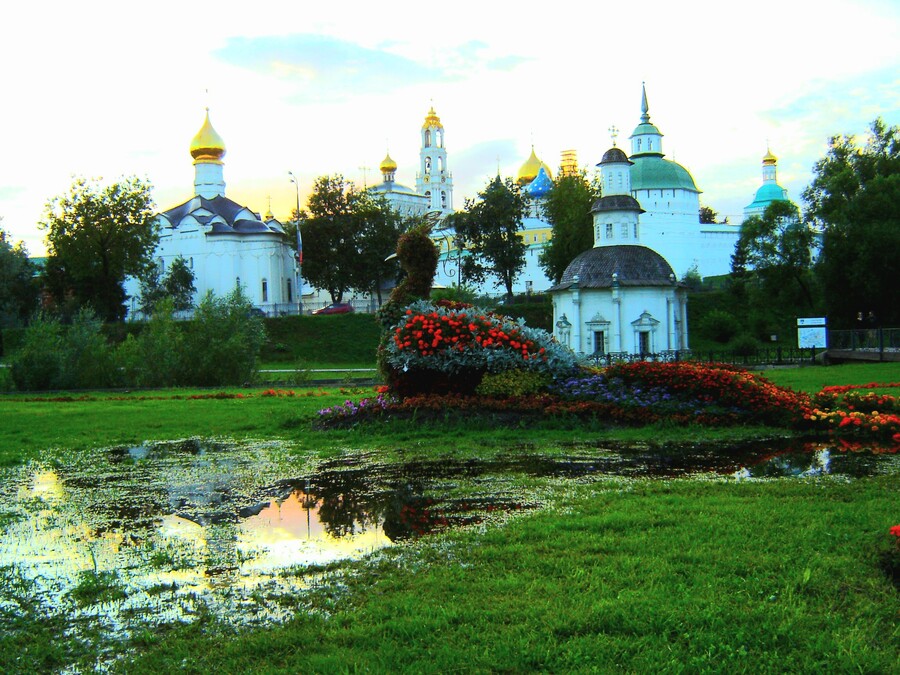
{"x":191,"y":526}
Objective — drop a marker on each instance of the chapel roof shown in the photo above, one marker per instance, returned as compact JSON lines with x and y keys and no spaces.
{"x":224,"y":216}
{"x":633,"y":265}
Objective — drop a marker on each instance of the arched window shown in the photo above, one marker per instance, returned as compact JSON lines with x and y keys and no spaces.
{"x":265,"y":290}
{"x":428,"y":165}
{"x":639,"y":145}
{"x":440,"y":165}
{"x":428,"y":138}
{"x":290,"y":290}
{"x":443,"y":199}
{"x":649,"y":144}
{"x":440,"y":138}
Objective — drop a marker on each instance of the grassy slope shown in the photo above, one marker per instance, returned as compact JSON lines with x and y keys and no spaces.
{"x":812,"y":379}
{"x":661,"y":576}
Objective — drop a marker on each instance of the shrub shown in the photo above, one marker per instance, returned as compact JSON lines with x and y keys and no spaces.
{"x":54,"y":357}
{"x":38,"y":362}
{"x":88,"y":360}
{"x":454,"y":294}
{"x":513,"y":383}
{"x":155,"y":358}
{"x":223,"y":341}
{"x":718,"y":325}
{"x":744,"y":345}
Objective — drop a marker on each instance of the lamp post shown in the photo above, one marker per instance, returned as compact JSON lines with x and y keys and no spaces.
{"x":299,"y":246}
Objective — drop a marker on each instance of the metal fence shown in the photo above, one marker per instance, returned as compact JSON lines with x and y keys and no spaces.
{"x":865,"y":339}
{"x":774,"y":356}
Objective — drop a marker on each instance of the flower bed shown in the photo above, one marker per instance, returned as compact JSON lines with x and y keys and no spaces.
{"x":845,"y":412}
{"x":447,"y":349}
{"x":637,"y":394}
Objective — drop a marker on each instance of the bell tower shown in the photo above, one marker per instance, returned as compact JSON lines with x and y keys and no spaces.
{"x":434,"y":179}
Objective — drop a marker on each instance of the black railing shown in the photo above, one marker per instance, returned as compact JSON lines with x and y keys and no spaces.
{"x":768,"y":356}
{"x":865,"y":339}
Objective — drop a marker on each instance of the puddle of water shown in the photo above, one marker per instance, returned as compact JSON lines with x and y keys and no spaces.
{"x":189,"y":527}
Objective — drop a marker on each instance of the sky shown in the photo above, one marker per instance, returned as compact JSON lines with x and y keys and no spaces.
{"x":111,"y":89}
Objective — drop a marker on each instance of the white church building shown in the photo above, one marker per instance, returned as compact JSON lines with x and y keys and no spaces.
{"x":224,"y":243}
{"x":620,"y":297}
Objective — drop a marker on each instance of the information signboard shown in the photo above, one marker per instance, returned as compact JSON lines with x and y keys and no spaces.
{"x":812,"y":333}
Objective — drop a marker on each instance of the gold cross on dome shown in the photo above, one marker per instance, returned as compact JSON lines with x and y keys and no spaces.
{"x":613,"y":133}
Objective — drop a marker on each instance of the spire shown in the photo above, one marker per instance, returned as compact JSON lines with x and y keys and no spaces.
{"x":646,"y":138}
{"x":645,"y":107}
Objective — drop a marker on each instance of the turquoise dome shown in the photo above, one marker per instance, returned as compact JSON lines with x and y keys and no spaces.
{"x":652,"y":172}
{"x":766,"y":194}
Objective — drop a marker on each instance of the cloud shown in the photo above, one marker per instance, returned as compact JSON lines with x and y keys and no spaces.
{"x":338,"y":70}
{"x":10,"y":192}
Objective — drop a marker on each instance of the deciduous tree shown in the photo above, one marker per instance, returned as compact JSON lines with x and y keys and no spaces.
{"x":853,"y":201}
{"x":96,"y":236}
{"x":488,"y":231}
{"x":177,"y":284}
{"x":347,"y":234}
{"x":567,"y":208}
{"x":18,"y":292}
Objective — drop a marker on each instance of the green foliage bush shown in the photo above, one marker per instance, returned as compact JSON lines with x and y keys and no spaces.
{"x":219,"y":346}
{"x":718,"y":325}
{"x":155,"y":357}
{"x":455,"y":294}
{"x":56,"y":357}
{"x":744,"y":345}
{"x":513,"y":383}
{"x":88,"y":361}
{"x":222,"y":342}
{"x":38,"y":362}
{"x":537,"y":312}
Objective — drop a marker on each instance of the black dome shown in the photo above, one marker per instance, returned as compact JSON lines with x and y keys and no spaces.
{"x":614,"y":155}
{"x":616,"y":203}
{"x":634,"y":265}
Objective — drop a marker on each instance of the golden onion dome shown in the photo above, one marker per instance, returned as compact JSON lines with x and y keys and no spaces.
{"x":432,"y":120}
{"x":530,"y":168}
{"x":207,"y":144}
{"x":388,"y":164}
{"x":769,"y":157}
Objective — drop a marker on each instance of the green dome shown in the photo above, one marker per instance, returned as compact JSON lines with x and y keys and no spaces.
{"x":652,"y":172}
{"x":645,"y":128}
{"x":768,"y":193}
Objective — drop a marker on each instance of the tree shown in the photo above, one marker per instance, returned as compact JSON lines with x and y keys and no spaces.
{"x":347,"y":234}
{"x":778,"y":247}
{"x":708,"y":215}
{"x":568,"y":209}
{"x":488,"y":231}
{"x":377,"y":230}
{"x":853,"y":202}
{"x":177,"y":284}
{"x":97,"y":236}
{"x":18,"y":292}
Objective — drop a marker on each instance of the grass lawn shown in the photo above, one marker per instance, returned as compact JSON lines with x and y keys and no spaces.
{"x":615,"y":575}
